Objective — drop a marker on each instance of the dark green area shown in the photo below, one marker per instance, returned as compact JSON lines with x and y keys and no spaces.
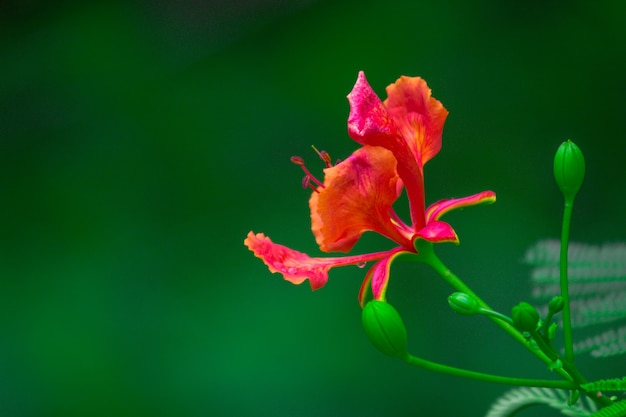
{"x":140,"y":142}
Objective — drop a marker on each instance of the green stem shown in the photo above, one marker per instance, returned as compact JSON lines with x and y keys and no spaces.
{"x":567,"y":321}
{"x":427,"y":255}
{"x":496,"y":315}
{"x":479,"y":376}
{"x":547,"y":348}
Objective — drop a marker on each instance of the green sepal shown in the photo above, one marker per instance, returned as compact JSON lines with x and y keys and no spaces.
{"x":573,"y":397}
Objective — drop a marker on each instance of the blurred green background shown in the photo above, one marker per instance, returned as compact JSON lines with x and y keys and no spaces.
{"x":141,"y":141}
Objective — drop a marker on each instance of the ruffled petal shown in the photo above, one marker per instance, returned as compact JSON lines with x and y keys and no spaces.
{"x":441,"y":207}
{"x":357,"y":196}
{"x":377,"y":278}
{"x":370,"y":123}
{"x":419,"y":116}
{"x":296,"y":266}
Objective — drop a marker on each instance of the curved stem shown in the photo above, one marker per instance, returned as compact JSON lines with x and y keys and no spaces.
{"x":496,"y":315}
{"x":427,"y":255}
{"x":479,"y":376}
{"x":567,"y":321}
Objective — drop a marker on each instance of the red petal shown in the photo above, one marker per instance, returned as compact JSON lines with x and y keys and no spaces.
{"x":357,"y":196}
{"x":370,"y":123}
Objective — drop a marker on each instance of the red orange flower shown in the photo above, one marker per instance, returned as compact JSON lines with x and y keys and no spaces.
{"x":357,"y":195}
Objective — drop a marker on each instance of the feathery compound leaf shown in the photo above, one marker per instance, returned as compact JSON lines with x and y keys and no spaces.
{"x":547,"y":252}
{"x":518,"y":399}
{"x":609,"y":343}
{"x":604,"y":308}
{"x":615,"y":410}
{"x":587,"y":263}
{"x":615,"y":384}
{"x":597,"y":289}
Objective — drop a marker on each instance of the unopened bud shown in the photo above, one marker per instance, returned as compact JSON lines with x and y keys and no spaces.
{"x":569,"y":168}
{"x":463,"y":303}
{"x":385,"y":328}
{"x":525,"y":317}
{"x":556,"y":304}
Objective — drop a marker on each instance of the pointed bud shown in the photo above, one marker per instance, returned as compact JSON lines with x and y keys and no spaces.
{"x":569,"y":169}
{"x":525,"y":317}
{"x":385,"y":328}
{"x":462,"y":303}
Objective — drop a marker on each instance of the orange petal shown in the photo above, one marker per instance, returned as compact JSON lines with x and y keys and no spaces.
{"x":419,"y":116}
{"x":357,"y":196}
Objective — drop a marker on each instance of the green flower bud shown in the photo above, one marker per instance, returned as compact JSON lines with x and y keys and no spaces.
{"x":462,"y":303}
{"x":525,"y":317}
{"x":569,"y":168}
{"x":556,"y":304}
{"x":385,"y":328}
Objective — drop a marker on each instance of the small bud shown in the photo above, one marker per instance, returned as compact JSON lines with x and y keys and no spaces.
{"x":525,"y":317}
{"x":462,"y":303}
{"x":385,"y":328}
{"x":569,"y":168}
{"x":556,"y":304}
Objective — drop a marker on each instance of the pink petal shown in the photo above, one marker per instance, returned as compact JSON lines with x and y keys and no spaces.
{"x":437,"y":232}
{"x":297,"y":266}
{"x":438,"y":209}
{"x":369,"y":120}
{"x":377,"y":278}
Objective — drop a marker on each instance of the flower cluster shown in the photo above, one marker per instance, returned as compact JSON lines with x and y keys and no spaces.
{"x":398,"y":136}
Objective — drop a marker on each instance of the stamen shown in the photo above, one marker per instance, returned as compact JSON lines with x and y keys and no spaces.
{"x":306,"y":182}
{"x":324,"y":156}
{"x":297,"y":160}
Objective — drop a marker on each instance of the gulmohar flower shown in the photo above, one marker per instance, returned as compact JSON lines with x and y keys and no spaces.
{"x":398,"y":136}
